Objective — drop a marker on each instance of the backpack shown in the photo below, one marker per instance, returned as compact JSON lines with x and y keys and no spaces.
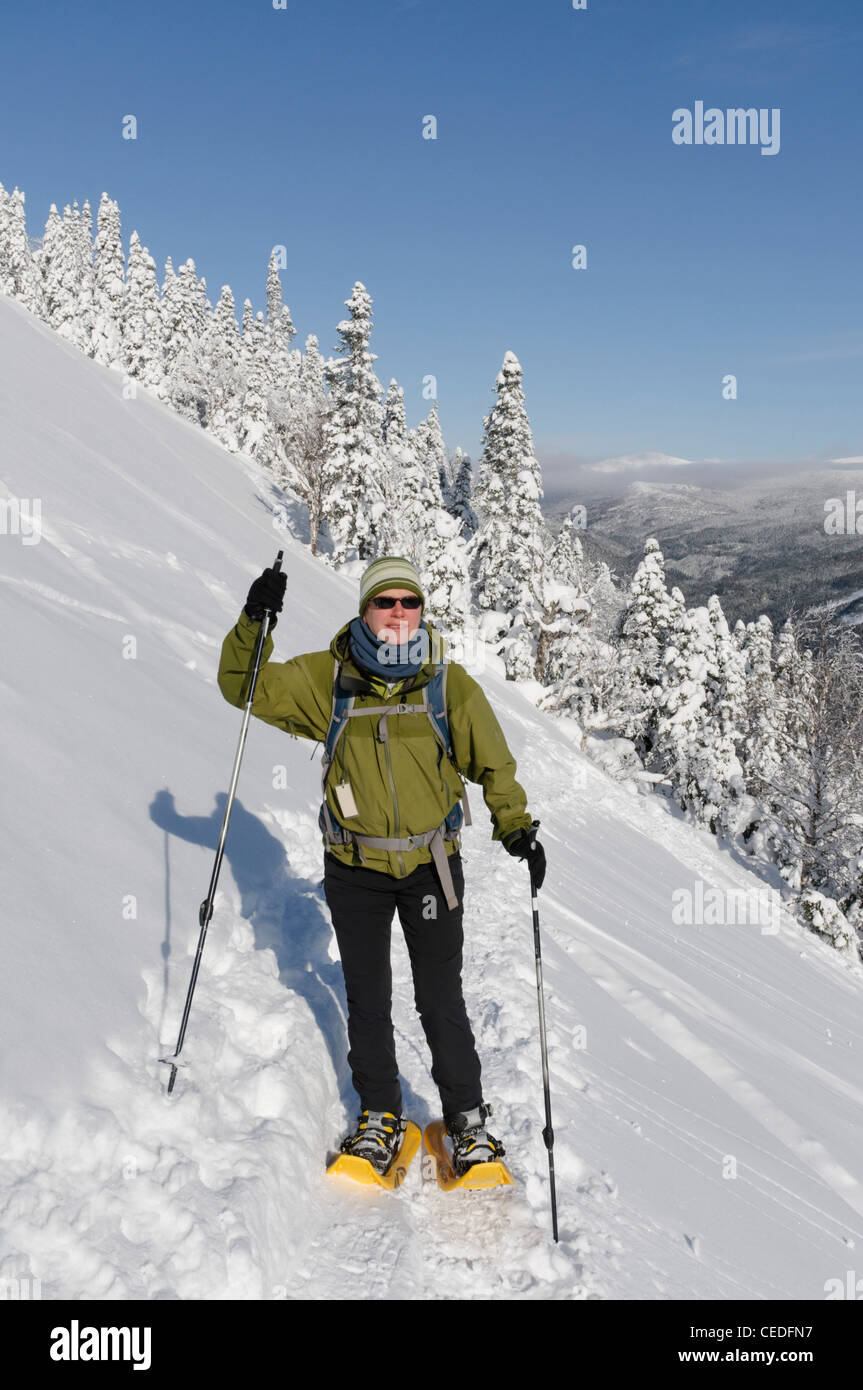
{"x":433,"y":706}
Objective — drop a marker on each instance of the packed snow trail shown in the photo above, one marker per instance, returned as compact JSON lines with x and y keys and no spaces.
{"x":705,"y":1080}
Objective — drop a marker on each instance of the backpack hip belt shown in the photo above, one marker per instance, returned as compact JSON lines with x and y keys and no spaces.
{"x":435,"y":709}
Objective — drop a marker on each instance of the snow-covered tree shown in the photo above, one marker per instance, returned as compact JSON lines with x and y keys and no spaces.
{"x":508,"y":548}
{"x":715,"y":766}
{"x":688,"y":660}
{"x":83,"y":315}
{"x":66,"y":297}
{"x":278,"y":314}
{"x":50,"y":261}
{"x":303,"y":444}
{"x":818,"y":786}
{"x":256,"y":434}
{"x":649,"y":619}
{"x":109,"y":283}
{"x":185,"y":304}
{"x":19,"y":272}
{"x":355,"y":466}
{"x":251,"y":336}
{"x":459,"y":503}
{"x":445,"y":572}
{"x":394,"y":425}
{"x":141,"y":321}
{"x":222,"y":373}
{"x":761,"y":752}
{"x":565,"y":608}
{"x":588,"y":666}
{"x":431,"y":452}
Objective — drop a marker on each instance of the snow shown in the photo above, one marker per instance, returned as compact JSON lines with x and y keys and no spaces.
{"x":679,"y":1056}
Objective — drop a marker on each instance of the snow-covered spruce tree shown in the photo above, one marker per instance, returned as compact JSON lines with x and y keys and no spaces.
{"x":650,"y":616}
{"x":50,"y":262}
{"x":251,"y":336}
{"x":446,"y":576}
{"x":447,"y":476}
{"x":726,"y":808}
{"x":414,"y":524}
{"x":688,"y":660}
{"x":223,"y":376}
{"x":171,"y":316}
{"x":701,"y":710}
{"x":566,"y":558}
{"x":85,"y":274}
{"x":818,"y":787}
{"x":607,"y":601}
{"x":459,"y":504}
{"x":408,"y":502}
{"x":303,"y":467}
{"x":431,"y":452}
{"x":66,"y":297}
{"x":394,"y":424}
{"x":282,"y":363}
{"x":592,"y":684}
{"x":109,"y":284}
{"x":313,"y":369}
{"x":19,"y":271}
{"x":508,"y":548}
{"x":278,"y":313}
{"x":141,"y":321}
{"x":760,"y":751}
{"x":565,"y":609}
{"x":354,"y":454}
{"x":185,"y":385}
{"x":256,"y":432}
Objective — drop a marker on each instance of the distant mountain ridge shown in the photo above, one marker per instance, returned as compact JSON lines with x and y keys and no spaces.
{"x":762,"y":547}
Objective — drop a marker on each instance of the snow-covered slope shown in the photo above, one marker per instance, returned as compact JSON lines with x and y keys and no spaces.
{"x":679,"y":1055}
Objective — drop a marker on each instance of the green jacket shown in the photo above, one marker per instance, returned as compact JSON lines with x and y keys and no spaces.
{"x":403,"y":786}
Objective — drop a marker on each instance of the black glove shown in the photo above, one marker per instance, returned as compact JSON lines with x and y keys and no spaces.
{"x":524,"y":845}
{"x":266,"y":592}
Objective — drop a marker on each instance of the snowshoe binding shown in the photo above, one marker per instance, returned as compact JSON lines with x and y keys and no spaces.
{"x":379,"y":1151}
{"x":472,"y":1157}
{"x":377,"y":1138}
{"x":471,"y":1141}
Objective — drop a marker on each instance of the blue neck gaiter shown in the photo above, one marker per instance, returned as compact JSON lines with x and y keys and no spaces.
{"x":371,"y":653}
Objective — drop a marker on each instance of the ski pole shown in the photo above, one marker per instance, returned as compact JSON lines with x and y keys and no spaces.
{"x":205,"y":911}
{"x":548,"y":1132}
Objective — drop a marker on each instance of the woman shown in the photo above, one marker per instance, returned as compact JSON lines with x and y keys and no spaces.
{"x":400,"y":727}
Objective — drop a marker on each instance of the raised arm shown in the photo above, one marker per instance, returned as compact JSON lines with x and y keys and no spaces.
{"x":293,"y":695}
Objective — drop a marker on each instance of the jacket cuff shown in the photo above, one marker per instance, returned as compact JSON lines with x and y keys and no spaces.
{"x":511,"y":836}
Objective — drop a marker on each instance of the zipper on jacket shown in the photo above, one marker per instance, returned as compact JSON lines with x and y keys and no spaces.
{"x":395,"y":806}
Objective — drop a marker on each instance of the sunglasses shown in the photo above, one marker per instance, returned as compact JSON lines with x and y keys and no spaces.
{"x":386,"y":601}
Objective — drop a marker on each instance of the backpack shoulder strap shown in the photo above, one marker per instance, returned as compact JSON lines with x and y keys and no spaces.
{"x":342,"y":705}
{"x":434,"y":700}
{"x":434,"y":697}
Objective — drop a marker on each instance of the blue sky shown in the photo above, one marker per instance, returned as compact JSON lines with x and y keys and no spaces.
{"x":303,"y":126}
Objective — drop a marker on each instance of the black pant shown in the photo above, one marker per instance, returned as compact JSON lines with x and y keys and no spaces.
{"x":361,"y":903}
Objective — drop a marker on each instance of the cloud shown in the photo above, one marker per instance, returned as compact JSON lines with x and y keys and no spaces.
{"x":636,"y":463}
{"x":816,"y":355}
{"x":761,"y":39}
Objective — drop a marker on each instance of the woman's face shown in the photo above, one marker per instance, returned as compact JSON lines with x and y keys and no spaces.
{"x":395,"y":625}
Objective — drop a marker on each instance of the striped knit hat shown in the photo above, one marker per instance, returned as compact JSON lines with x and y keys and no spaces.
{"x":389,"y":572}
